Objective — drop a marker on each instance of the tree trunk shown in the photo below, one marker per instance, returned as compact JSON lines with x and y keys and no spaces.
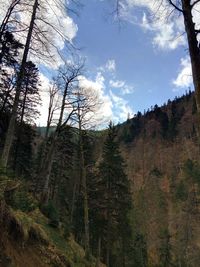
{"x":11,"y":126}
{"x":98,"y":252}
{"x":108,"y":238}
{"x":47,"y":162}
{"x":108,"y":251}
{"x":73,"y":202}
{"x":85,"y":195}
{"x":193,"y":51}
{"x":20,"y":128}
{"x":46,"y":170}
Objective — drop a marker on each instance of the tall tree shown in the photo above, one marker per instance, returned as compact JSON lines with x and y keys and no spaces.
{"x":68,"y":81}
{"x":38,"y":40}
{"x":20,"y":76}
{"x":87,"y":104}
{"x":29,"y":101}
{"x":116,"y":199}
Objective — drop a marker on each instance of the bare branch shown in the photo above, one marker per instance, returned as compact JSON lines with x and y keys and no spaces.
{"x":175,"y":6}
{"x":195,"y":2}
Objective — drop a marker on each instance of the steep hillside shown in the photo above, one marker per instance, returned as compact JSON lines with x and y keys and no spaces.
{"x":28,"y":238}
{"x":162,"y":155}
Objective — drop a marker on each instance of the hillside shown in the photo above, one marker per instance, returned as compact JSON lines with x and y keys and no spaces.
{"x":28,"y":237}
{"x":161,"y":154}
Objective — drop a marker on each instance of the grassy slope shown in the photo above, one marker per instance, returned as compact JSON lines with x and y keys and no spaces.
{"x":28,"y":240}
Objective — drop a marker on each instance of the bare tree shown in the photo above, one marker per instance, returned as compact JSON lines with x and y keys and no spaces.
{"x":36,"y":36}
{"x":87,"y":104}
{"x":53,"y":106}
{"x":68,"y":79}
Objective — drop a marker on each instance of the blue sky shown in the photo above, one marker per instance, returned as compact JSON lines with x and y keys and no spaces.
{"x":149,"y":69}
{"x":135,"y":66}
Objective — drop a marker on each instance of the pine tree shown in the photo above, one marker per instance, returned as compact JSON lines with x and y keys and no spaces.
{"x":115,"y":200}
{"x":29,"y":100}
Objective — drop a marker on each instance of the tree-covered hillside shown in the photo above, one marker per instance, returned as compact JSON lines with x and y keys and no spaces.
{"x":82,"y":190}
{"x":137,"y":210}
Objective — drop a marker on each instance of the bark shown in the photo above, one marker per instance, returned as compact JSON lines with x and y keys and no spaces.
{"x":73,"y":202}
{"x":46,"y":169}
{"x":108,"y":250}
{"x":49,"y":121}
{"x":84,"y":185}
{"x":193,"y":51}
{"x":98,"y":252}
{"x":11,"y":127}
{"x":20,"y":127}
{"x":108,"y":229}
{"x":48,"y":161}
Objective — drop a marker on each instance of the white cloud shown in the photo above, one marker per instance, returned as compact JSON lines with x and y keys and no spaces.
{"x":167,"y":31}
{"x":128,"y":89}
{"x":117,"y":83}
{"x":124,"y":88}
{"x":110,"y":66}
{"x":121,"y":108}
{"x":105,"y":113}
{"x":111,"y":107}
{"x":43,"y":109}
{"x":52,"y":21}
{"x":184,"y":78}
{"x":167,"y":36}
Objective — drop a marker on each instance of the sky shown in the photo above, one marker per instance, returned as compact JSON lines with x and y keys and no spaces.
{"x":138,"y":62}
{"x":137,"y":65}
{"x":132,"y":64}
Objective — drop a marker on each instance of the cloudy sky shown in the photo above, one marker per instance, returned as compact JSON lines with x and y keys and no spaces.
{"x":134,"y":64}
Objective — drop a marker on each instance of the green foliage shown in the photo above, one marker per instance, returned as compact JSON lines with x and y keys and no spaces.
{"x":131,"y":129}
{"x":126,"y":135}
{"x":181,"y":191}
{"x":165,"y":248}
{"x":22,"y":151}
{"x":156,"y":172}
{"x":139,"y":249}
{"x":114,"y":201}
{"x":161,"y":200}
{"x":24,"y":201}
{"x":192,"y":171}
{"x":50,"y":211}
{"x":162,"y":117}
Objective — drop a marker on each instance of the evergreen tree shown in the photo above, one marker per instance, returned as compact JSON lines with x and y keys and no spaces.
{"x":29,"y":97}
{"x":9,"y":49}
{"x":29,"y":100}
{"x":115,"y":201}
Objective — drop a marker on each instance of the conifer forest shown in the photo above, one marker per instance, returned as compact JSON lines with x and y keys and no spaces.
{"x":99,"y":142}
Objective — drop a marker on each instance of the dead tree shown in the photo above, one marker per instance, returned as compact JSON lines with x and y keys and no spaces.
{"x":68,"y":80}
{"x":87,"y":103}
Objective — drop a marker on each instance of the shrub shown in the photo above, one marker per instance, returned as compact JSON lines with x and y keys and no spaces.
{"x":24,"y":201}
